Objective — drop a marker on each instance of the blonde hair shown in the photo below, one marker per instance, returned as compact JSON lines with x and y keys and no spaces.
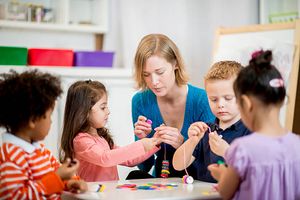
{"x":160,"y":45}
{"x":223,"y":70}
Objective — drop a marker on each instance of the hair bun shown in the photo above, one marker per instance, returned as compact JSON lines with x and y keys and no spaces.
{"x":261,"y":58}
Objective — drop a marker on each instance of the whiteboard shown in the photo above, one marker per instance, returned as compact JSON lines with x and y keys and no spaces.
{"x":283,"y":39}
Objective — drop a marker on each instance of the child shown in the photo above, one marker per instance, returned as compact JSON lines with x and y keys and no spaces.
{"x":265,"y":164}
{"x":27,"y":169}
{"x":203,"y":148}
{"x":85,"y":137}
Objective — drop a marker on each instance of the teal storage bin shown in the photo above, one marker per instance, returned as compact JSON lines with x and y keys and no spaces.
{"x":13,"y":55}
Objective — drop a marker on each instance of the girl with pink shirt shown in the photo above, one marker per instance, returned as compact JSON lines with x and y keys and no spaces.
{"x":85,"y":137}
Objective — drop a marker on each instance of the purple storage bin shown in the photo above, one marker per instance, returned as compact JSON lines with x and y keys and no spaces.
{"x":93,"y":59}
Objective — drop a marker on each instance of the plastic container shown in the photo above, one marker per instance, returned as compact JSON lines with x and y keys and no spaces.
{"x":13,"y":55}
{"x":50,"y":57}
{"x":93,"y":59}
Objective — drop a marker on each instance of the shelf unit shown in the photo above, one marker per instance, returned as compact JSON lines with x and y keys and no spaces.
{"x":97,"y":29}
{"x":275,"y":11}
{"x":77,"y":16}
{"x":82,"y":72}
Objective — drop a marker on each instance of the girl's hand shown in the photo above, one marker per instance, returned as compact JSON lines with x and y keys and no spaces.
{"x":197,"y":129}
{"x":156,"y":135}
{"x":141,"y":127}
{"x":217,"y":170}
{"x":150,"y":143}
{"x":68,"y":169}
{"x":77,"y":186}
{"x":217,"y":144}
{"x":169,"y":135}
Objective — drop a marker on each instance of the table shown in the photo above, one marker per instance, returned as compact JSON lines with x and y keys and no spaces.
{"x":197,"y":190}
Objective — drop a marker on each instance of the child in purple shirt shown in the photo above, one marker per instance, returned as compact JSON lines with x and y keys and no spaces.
{"x":265,"y":164}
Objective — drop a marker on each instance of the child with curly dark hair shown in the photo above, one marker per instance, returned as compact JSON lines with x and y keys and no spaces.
{"x":27,"y":169}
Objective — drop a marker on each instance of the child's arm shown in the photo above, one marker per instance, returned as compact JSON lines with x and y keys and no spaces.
{"x":146,"y":142}
{"x":16,"y":182}
{"x":228,"y":179}
{"x":20,"y":185}
{"x":188,"y":147}
{"x":136,"y":161}
{"x":66,"y":172}
{"x":183,"y":156}
{"x":98,"y":153}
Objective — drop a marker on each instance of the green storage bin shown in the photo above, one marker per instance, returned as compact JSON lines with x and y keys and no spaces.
{"x":13,"y":55}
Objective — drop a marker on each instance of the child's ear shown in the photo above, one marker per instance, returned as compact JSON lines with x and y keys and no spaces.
{"x":31,"y":124}
{"x":247,"y":103}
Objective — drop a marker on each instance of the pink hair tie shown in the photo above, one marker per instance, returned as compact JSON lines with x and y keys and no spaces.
{"x":276,"y":82}
{"x":255,"y":54}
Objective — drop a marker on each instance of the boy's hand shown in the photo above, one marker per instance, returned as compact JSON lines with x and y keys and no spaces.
{"x":169,"y":135}
{"x":217,"y":144}
{"x":216,"y":170}
{"x":142,"y":128}
{"x":197,"y":129}
{"x":77,"y":186}
{"x":68,"y":169}
{"x":150,"y":143}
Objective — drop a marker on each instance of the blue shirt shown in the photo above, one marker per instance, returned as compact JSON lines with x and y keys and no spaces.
{"x":196,"y":109}
{"x":203,"y":154}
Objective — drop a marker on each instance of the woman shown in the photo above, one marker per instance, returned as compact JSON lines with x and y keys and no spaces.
{"x":166,"y":99}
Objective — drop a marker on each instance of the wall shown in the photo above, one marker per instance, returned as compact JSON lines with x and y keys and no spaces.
{"x":191,"y":24}
{"x":46,"y":39}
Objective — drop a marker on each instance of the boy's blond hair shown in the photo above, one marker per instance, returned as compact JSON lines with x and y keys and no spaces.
{"x":223,"y":70}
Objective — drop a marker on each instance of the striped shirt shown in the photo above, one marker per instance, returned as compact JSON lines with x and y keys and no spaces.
{"x":27,"y":171}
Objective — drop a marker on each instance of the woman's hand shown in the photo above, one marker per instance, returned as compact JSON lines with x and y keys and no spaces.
{"x":142,"y":128}
{"x":169,"y":135}
{"x":77,"y":186}
{"x":68,"y":169}
{"x":217,"y":144}
{"x":197,"y":129}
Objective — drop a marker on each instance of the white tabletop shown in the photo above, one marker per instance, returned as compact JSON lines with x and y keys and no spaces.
{"x":197,"y":190}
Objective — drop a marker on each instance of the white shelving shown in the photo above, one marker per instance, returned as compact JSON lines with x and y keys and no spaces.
{"x":82,"y":72}
{"x":53,"y":27}
{"x":274,"y":11}
{"x":89,"y":16}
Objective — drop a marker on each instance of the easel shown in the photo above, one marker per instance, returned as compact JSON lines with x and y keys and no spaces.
{"x":232,"y":38}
